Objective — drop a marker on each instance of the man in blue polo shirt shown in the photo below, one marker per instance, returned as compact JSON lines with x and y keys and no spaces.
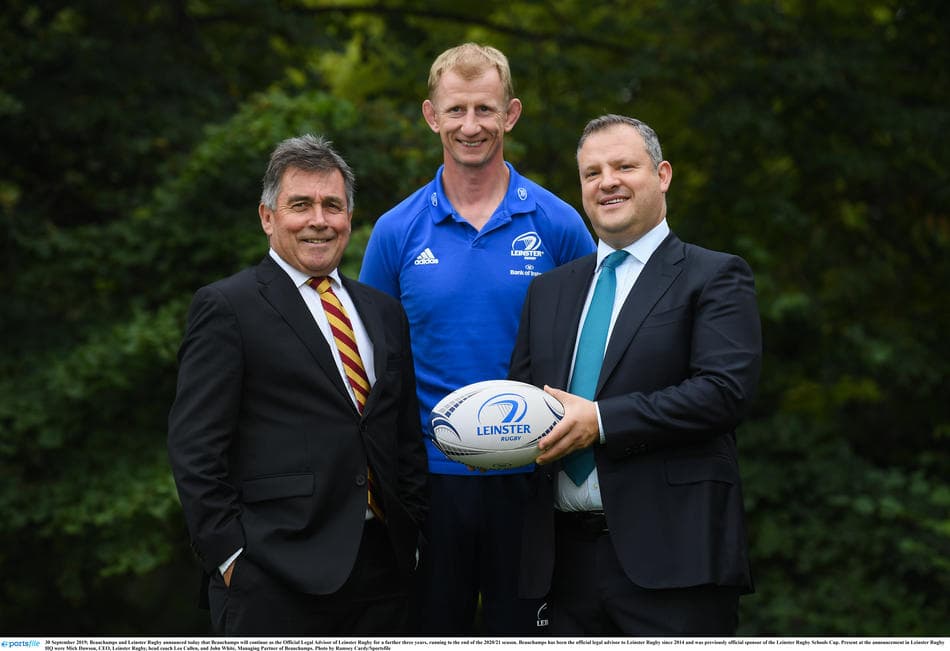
{"x":459,"y":253}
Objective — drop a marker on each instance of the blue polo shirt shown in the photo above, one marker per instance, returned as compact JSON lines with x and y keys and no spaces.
{"x":463,"y":289}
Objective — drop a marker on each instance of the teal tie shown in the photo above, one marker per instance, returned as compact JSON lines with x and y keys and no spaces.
{"x":590,"y":355}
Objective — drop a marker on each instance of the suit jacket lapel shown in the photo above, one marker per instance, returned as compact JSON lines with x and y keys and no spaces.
{"x":655,"y":279}
{"x":567,"y":314}
{"x":277,"y":289}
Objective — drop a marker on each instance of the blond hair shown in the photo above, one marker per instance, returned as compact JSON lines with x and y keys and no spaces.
{"x":469,"y":61}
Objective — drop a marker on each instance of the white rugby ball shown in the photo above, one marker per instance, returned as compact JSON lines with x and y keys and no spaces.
{"x":494,"y":425}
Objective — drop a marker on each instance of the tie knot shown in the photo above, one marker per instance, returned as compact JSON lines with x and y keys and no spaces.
{"x":320,"y":283}
{"x":613,"y":260}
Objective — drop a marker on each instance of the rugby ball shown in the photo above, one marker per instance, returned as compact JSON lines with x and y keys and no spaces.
{"x":494,"y":425}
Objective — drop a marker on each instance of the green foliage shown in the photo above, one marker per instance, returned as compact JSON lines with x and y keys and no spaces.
{"x":85,"y":476}
{"x":833,"y":536}
{"x":806,"y":136}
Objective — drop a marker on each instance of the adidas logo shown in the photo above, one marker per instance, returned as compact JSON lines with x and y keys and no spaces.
{"x":426,"y":257}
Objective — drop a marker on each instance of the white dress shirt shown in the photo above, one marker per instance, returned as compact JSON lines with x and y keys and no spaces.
{"x":586,"y":497}
{"x":312,"y":299}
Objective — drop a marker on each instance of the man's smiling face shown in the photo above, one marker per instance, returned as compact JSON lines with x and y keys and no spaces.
{"x":623,"y":192}
{"x":471,"y":117}
{"x":309,"y":227}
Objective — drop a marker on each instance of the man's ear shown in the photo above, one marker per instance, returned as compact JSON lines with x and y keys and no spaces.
{"x":428,"y":112}
{"x":665,"y":171}
{"x":267,"y":219}
{"x":513,"y":113}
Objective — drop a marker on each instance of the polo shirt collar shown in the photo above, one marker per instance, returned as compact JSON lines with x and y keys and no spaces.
{"x":519,"y":198}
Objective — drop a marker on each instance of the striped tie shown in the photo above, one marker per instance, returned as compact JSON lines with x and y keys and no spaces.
{"x":352,"y":362}
{"x":344,"y":338}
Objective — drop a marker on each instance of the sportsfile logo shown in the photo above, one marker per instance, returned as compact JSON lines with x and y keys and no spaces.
{"x":20,"y":644}
{"x":501,"y":416}
{"x":426,"y":257}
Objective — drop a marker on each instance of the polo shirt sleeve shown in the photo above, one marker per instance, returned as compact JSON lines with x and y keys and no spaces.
{"x":575,"y":241}
{"x":380,"y":267}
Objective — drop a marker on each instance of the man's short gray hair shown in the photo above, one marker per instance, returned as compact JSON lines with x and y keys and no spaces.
{"x":649,"y":136}
{"x":308,"y":153}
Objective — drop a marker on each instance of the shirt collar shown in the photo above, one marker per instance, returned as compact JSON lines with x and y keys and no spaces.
{"x":298,"y":277}
{"x":642,"y":249}
{"x":519,"y":197}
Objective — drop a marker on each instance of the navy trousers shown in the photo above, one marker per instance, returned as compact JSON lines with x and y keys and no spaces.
{"x":472,"y":557}
{"x":592,"y":596}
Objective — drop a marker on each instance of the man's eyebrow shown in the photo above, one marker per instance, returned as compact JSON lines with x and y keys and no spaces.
{"x":328,"y":200}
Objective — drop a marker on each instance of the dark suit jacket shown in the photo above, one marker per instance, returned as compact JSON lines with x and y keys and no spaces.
{"x":681,"y":365}
{"x":268,"y":450}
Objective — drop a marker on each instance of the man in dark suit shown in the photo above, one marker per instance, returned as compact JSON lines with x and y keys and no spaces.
{"x":295,"y":438}
{"x":635,"y":526}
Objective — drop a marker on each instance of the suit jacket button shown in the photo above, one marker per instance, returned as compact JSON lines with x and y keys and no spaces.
{"x":361,"y":479}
